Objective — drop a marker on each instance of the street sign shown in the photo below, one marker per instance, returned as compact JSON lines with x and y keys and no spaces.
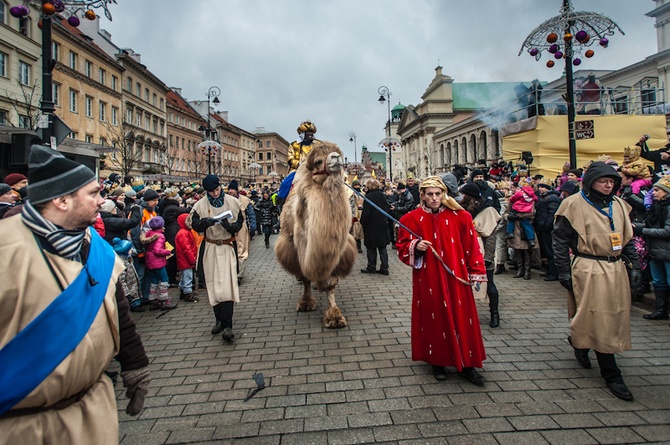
{"x":584,"y":130}
{"x":59,"y":129}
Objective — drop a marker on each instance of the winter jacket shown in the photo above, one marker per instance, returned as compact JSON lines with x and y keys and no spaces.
{"x":657,"y":230}
{"x":185,"y":247}
{"x":374,"y":224}
{"x":155,"y":252}
{"x":265,"y":210}
{"x":545,"y":209}
{"x":403,"y":204}
{"x":636,"y":201}
{"x":171,"y":211}
{"x":117,"y":226}
{"x":523,"y":200}
{"x":490,"y":197}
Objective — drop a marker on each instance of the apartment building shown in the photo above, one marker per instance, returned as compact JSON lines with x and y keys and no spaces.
{"x":184,"y":159}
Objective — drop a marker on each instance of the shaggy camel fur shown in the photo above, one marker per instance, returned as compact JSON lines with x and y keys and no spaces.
{"x":314,"y":243}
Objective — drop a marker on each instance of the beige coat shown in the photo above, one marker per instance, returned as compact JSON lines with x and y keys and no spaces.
{"x":243,"y":238}
{"x":27,"y":288}
{"x":356,"y":204}
{"x":219,"y":262}
{"x":600,"y":303}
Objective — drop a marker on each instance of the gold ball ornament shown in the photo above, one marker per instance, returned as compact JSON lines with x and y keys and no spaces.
{"x":90,"y":14}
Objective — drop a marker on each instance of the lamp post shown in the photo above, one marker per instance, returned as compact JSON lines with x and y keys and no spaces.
{"x":385,"y":96}
{"x":578,"y":30}
{"x":213,"y":92}
{"x":352,"y":138}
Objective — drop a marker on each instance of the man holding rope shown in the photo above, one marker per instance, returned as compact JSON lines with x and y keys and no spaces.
{"x":439,"y":242}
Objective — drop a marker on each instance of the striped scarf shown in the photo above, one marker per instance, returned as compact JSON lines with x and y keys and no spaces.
{"x":67,"y":243}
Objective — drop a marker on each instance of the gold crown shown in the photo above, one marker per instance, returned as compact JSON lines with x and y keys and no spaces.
{"x":632,"y":151}
{"x":663,"y":183}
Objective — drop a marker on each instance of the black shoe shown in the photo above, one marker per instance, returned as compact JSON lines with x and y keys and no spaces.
{"x":543,"y":274}
{"x":439,"y":373}
{"x":526,"y":274}
{"x":139,"y":308}
{"x":267,"y":245}
{"x":228,"y":334}
{"x":217,"y":328}
{"x":658,"y":314}
{"x":550,"y":278}
{"x":472,"y":376}
{"x":582,"y":355}
{"x":620,"y":390}
{"x":500,"y":268}
{"x":495,"y":319}
{"x":368,"y":271}
{"x":383,"y":272}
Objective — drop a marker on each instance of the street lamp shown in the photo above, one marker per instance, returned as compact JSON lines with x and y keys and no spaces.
{"x":385,"y":96}
{"x":352,"y":138}
{"x":210,"y":145}
{"x":564,"y":36}
{"x":49,"y":9}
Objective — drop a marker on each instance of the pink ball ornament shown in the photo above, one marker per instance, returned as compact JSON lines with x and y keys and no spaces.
{"x":581,"y":36}
{"x":604,"y":42}
{"x":553,"y":48}
{"x":533,"y":52}
{"x":558,"y":55}
{"x":577,"y":62}
{"x":73,"y":20}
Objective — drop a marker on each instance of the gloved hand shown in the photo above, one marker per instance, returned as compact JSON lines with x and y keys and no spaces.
{"x":137,"y":382}
{"x":565,"y":279}
{"x":649,"y":198}
{"x":637,"y":229}
{"x":635,"y":280}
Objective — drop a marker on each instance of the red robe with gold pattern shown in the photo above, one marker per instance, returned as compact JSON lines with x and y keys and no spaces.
{"x":445,"y":324}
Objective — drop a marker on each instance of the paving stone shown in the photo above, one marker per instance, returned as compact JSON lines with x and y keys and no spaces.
{"x":654,"y":433}
{"x":615,"y":435}
{"x":488,"y":425}
{"x":568,"y":437}
{"x":158,"y":438}
{"x":351,"y":436}
{"x":190,"y":436}
{"x":369,"y":419}
{"x":520,"y":438}
{"x":540,"y":422}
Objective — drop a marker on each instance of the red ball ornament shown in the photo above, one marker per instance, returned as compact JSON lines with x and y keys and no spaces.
{"x":590,"y":53}
{"x":551,"y":38}
{"x":550,"y":64}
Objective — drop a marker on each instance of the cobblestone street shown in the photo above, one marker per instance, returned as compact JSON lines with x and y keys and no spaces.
{"x":359,"y":384}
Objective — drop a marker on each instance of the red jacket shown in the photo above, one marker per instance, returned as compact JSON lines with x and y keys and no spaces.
{"x":523,"y":201}
{"x":185,"y":246}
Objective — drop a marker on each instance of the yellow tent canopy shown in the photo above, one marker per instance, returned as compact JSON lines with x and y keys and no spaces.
{"x":546,"y":137}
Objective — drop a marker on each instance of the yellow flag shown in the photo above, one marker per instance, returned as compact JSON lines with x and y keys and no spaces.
{"x":355,"y":178}
{"x":373,"y":174}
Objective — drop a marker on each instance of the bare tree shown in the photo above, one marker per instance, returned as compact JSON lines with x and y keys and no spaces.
{"x":196,"y":163}
{"x":126,"y":157}
{"x":24,"y":105}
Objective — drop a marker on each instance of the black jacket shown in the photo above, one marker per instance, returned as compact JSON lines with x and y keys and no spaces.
{"x":116,"y":225}
{"x":375,"y":228}
{"x":489,"y":196}
{"x":171,"y":210}
{"x":403,"y":204}
{"x":657,"y":230}
{"x":264,"y":211}
{"x":545,"y":209}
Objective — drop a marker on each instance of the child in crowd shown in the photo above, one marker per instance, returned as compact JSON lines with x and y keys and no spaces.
{"x":155,"y":260}
{"x":522,"y":207}
{"x":129,"y":279}
{"x":187,"y":252}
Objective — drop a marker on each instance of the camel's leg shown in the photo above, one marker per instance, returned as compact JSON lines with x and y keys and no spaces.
{"x":332,"y":318}
{"x":307,"y":302}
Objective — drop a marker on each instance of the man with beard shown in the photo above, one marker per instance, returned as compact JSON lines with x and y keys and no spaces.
{"x":297,"y":153}
{"x":489,"y":196}
{"x":63,"y":315}
{"x":595,"y":226}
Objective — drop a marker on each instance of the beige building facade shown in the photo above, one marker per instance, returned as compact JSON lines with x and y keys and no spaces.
{"x":272,"y":156}
{"x":183,"y":158}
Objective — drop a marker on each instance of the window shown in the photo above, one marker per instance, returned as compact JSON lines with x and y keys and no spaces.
{"x":74,"y":135}
{"x":129,"y":116}
{"x":155,"y":125}
{"x":24,"y":73}
{"x":103,"y":141}
{"x":138,"y":119}
{"x":55,"y":92}
{"x":129,"y":84}
{"x":260,"y":156}
{"x":88,"y":105}
{"x":171,"y":137}
{"x":268,"y":143}
{"x":88,"y":138}
{"x":154,"y":99}
{"x":621,"y":105}
{"x":24,"y":121}
{"x":146,"y":94}
{"x":88,"y":68}
{"x":73,"y":101}
{"x":162,"y":129}
{"x":146,"y":122}
{"x":115,"y":81}
{"x":115,"y":116}
{"x":3,"y":13}
{"x":162,"y":104}
{"x":73,"y":60}
{"x":55,"y":51}
{"x":102,"y":76}
{"x":3,"y":115}
{"x":138,"y":90}
{"x":4,"y":60}
{"x":102,"y":111}
{"x":268,"y":155}
{"x":25,"y":25}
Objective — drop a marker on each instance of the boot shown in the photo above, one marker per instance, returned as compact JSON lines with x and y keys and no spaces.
{"x":358,"y":246}
{"x":500,"y":268}
{"x":493,"y":307}
{"x":153,"y":292}
{"x":518,"y":259}
{"x":661,"y":310}
{"x":217,"y":315}
{"x":526,"y":264}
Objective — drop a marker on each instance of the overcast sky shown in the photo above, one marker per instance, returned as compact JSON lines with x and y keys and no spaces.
{"x":279,"y":62}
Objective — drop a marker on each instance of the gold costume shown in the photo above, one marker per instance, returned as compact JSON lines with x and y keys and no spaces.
{"x":298,"y":150}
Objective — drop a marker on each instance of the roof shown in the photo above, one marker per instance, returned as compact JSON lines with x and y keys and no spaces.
{"x":483,"y":95}
{"x":378,"y":157}
{"x":177,"y":101}
{"x":398,"y":107}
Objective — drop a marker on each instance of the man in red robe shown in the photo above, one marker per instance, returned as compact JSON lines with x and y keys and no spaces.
{"x":445,"y":324}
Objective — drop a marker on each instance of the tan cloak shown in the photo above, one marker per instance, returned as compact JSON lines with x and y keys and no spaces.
{"x":219,"y":262}
{"x":600,"y":303}
{"x":243,"y":237}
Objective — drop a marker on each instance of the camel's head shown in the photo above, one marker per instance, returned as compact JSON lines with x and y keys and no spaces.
{"x":325,"y":159}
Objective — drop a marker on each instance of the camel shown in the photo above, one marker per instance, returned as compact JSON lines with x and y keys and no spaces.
{"x":314,"y":242}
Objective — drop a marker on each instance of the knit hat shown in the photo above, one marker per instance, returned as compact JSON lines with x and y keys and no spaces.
{"x":117,"y":192}
{"x":4,"y":188}
{"x":52,"y":175}
{"x":13,"y":178}
{"x":211,"y":182}
{"x":355,"y":182}
{"x":150,"y":195}
{"x":401,"y":186}
{"x":108,"y":206}
{"x":131,"y":193}
{"x":476,"y":172}
{"x":233,"y":185}
{"x":663,"y":183}
{"x":121,"y":246}
{"x":471,"y":189}
{"x":569,"y":186}
{"x":157,"y":222}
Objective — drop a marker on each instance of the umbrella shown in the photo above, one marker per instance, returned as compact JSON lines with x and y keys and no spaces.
{"x":273,"y":174}
{"x":254,"y":165}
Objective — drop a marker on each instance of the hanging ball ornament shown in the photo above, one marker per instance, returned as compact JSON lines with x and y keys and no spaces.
{"x":19,"y":11}
{"x":90,"y":14}
{"x":73,"y":20}
{"x":533,"y":52}
{"x":604,"y":42}
{"x":581,"y":36}
{"x":589,"y":53}
{"x":550,"y":63}
{"x":48,"y":8}
{"x":39,"y":24}
{"x":577,"y":62}
{"x":567,"y":37}
{"x":558,"y":55}
{"x":60,"y":6}
{"x":551,"y":38}
{"x":553,"y":48}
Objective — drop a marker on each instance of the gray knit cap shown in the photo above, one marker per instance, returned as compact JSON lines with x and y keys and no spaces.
{"x":52,"y":175}
{"x":4,"y":188}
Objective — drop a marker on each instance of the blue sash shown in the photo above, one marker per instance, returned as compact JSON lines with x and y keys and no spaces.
{"x":45,"y":342}
{"x":285,"y":186}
